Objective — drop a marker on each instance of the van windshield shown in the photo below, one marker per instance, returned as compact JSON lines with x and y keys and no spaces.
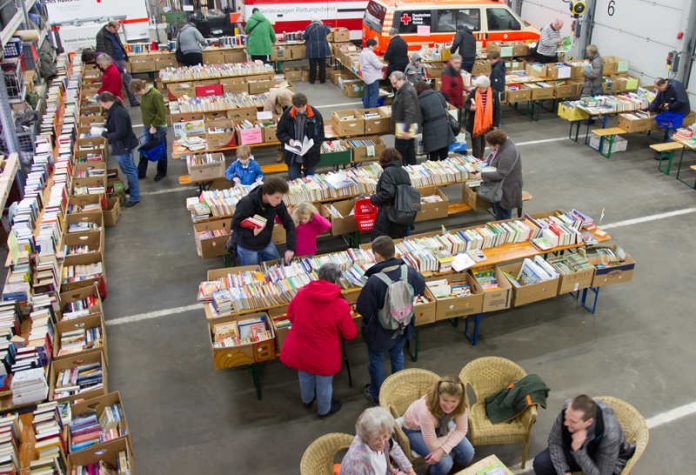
{"x":374,"y":16}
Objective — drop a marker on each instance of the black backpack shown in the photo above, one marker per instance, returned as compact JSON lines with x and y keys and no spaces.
{"x":406,"y":205}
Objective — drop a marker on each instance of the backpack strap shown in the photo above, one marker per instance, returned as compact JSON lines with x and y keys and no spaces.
{"x":404,"y":273}
{"x":382,"y":275}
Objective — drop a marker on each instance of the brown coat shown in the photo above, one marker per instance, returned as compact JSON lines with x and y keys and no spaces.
{"x":508,"y":166}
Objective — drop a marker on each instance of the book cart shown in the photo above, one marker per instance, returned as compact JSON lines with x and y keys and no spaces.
{"x":473,"y":308}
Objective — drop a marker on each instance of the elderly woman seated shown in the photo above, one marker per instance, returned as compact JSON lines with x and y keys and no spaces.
{"x":373,"y":451}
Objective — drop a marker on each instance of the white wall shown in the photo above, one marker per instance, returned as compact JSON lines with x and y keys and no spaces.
{"x":642,"y":31}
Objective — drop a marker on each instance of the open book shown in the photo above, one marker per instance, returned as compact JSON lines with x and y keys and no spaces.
{"x":307,"y":144}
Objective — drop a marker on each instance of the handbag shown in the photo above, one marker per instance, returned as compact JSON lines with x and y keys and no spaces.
{"x":492,"y":191}
{"x":454,"y":124}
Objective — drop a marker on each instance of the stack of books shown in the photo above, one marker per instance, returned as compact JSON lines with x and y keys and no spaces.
{"x":77,"y":341}
{"x":50,"y":446}
{"x":74,"y":381}
{"x":242,"y":332}
{"x":82,"y":272}
{"x":80,"y":308}
{"x":122,"y":467}
{"x":211,"y":71}
{"x":228,"y":101}
{"x":29,"y":386}
{"x":9,"y":444}
{"x":487,"y":279}
{"x":570,"y":263}
{"x":533,"y":271}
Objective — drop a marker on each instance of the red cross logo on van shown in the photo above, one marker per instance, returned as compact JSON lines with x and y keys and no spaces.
{"x":405,"y":19}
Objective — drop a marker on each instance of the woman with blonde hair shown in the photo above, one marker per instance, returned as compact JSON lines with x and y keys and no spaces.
{"x":308,"y":225}
{"x":373,"y":451}
{"x":436,"y":426}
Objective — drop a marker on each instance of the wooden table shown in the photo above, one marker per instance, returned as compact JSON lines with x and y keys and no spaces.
{"x":483,"y":465}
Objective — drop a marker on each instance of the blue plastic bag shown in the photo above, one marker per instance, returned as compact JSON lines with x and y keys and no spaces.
{"x":669,"y":120}
{"x":153,"y":151}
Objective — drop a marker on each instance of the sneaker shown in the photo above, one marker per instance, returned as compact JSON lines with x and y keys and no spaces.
{"x":335,"y":407}
{"x":130,"y":204}
{"x":160,"y":177}
{"x":368,"y":395}
{"x":309,"y":404}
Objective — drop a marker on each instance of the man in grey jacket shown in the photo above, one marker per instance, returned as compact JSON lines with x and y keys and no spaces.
{"x":191,"y":42}
{"x":549,"y":42}
{"x":593,"y":73}
{"x":406,"y":117}
{"x":586,"y":437}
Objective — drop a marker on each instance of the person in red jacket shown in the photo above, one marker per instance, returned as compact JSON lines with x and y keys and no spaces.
{"x":453,"y":85}
{"x":111,"y":76}
{"x":320,"y":317}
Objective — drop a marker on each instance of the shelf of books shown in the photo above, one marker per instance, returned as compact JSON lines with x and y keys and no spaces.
{"x":52,"y":337}
{"x":473,"y":270}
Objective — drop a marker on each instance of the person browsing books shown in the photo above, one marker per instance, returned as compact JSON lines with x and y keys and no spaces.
{"x":587,"y":438}
{"x":436,"y":426}
{"x":320,"y":317}
{"x":437,"y":131}
{"x":372,"y":305}
{"x":483,"y":109}
{"x":299,"y":127}
{"x":505,"y":168}
{"x":244,"y":170}
{"x":373,"y":450}
{"x":371,"y":70}
{"x":406,"y":116}
{"x":154,"y":117}
{"x":253,"y":220}
{"x":111,"y":77}
{"x":308,"y":225}
{"x":392,"y":176}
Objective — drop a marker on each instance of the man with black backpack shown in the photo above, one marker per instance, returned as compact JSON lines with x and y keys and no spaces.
{"x":386,"y":307}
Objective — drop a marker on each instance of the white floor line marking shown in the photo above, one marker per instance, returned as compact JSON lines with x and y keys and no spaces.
{"x":645,"y":219}
{"x":156,"y":314}
{"x":654,"y":422}
{"x":533,"y":142}
{"x":326,"y":106}
{"x":137,"y":125}
{"x":168,"y":190}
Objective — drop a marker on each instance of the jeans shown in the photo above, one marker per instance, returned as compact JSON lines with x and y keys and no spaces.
{"x":249,"y":257}
{"x":321,"y":386}
{"x":407,"y":149}
{"x":500,"y":212}
{"x":125,"y":75}
{"x":440,"y":154}
{"x":462,"y":453}
{"x":314,"y":64}
{"x":544,"y":466}
{"x":375,"y":365}
{"x":371,"y":96}
{"x":478,"y":145}
{"x":160,"y":135}
{"x":295,"y":170}
{"x":127,"y":166}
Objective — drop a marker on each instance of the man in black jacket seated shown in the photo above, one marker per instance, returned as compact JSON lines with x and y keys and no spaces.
{"x":254,"y":245}
{"x":371,"y":299}
{"x":297,"y":123}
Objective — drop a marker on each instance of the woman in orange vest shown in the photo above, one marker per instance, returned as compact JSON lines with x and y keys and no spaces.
{"x":483,"y":109}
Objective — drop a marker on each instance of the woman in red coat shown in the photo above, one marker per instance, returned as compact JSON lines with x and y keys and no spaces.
{"x":111,"y":76}
{"x":453,"y":85}
{"x":320,"y":316}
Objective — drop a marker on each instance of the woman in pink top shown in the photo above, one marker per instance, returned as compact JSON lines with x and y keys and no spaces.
{"x":436,"y":427}
{"x":308,"y":225}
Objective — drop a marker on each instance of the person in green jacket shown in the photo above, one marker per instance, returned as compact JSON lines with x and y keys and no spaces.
{"x":154,"y":123}
{"x":261,"y":36}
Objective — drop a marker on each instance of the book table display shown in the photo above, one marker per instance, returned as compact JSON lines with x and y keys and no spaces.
{"x":53,"y":345}
{"x":470,"y":272}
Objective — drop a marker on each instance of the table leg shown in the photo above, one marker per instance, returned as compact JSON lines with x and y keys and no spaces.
{"x":473,"y":338}
{"x":256,"y":377}
{"x":604,"y":121}
{"x":595,"y":290}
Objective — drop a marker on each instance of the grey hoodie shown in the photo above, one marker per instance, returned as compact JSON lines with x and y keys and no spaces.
{"x":190,"y":40}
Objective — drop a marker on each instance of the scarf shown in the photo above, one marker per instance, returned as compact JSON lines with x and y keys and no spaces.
{"x":483,"y":118}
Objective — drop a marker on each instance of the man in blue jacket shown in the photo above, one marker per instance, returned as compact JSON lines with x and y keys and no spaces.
{"x":371,"y":299}
{"x":671,"y":97}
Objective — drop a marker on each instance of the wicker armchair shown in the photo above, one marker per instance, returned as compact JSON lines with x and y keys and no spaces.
{"x":634,"y":426}
{"x":318,"y":457}
{"x":398,"y":392}
{"x":487,"y":376}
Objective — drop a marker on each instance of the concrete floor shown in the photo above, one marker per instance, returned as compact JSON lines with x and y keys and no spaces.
{"x":187,"y":418}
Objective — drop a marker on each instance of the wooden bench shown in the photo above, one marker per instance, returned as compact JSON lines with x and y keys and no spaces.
{"x":610,"y":134}
{"x":666,"y":151}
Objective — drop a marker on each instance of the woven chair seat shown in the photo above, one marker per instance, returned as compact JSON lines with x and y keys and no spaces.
{"x":482,"y":431}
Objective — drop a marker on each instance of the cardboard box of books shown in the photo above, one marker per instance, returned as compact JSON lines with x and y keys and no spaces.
{"x":567,"y":90}
{"x":612,"y":265}
{"x":455,"y":299}
{"x":541,"y":91}
{"x":259,"y":86}
{"x":611,"y":65}
{"x":496,"y":288}
{"x":521,"y":94}
{"x":206,"y":166}
{"x":213,"y":56}
{"x":281,"y":326}
{"x":424,"y":310}
{"x":80,"y":337}
{"x":471,"y":197}
{"x":634,"y":122}
{"x":112,"y":212}
{"x":269,"y":131}
{"x":339,"y":35}
{"x":78,"y":377}
{"x":298,"y":51}
{"x":116,"y":454}
{"x":576,"y":272}
{"x":377,"y":120}
{"x":538,"y":70}
{"x":166,"y":61}
{"x":242,"y":113}
{"x":520,"y":49}
{"x":188,"y":128}
{"x":92,"y":203}
{"x":97,"y":421}
{"x":353,"y":88}
{"x":348,"y":123}
{"x":367,"y":149}
{"x":85,"y":271}
{"x":249,"y":133}
{"x":177,"y":89}
{"x":90,"y":169}
{"x":240,"y":341}
{"x":80,"y":304}
{"x":234,"y":85}
{"x":220,"y":133}
{"x":434,"y":205}
{"x":532,"y":280}
{"x":292,"y":74}
{"x":235,"y":55}
{"x":83,"y":245}
{"x":342,"y":217}
{"x":211,"y":237}
{"x":84,"y":223}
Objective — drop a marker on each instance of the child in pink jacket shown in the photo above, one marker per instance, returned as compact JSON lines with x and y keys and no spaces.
{"x":308,"y":225}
